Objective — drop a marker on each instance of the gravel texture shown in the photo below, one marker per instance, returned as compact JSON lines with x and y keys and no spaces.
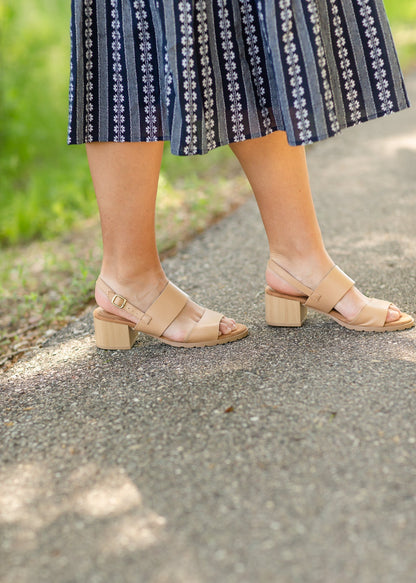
{"x":287,"y":457}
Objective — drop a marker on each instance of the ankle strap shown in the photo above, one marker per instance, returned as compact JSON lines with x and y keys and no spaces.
{"x":120,"y":302}
{"x":158,"y":316}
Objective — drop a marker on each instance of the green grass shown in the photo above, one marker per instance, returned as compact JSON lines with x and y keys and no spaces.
{"x":43,"y":190}
{"x":401,"y":11}
{"x":402,"y":16}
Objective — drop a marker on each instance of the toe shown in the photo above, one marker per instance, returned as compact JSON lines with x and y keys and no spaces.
{"x":393,"y":314}
{"x":227,"y":325}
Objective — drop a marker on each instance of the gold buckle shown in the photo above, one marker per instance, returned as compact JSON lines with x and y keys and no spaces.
{"x":123,"y":300}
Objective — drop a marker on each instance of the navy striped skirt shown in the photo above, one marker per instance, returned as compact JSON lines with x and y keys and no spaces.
{"x":203,"y":73}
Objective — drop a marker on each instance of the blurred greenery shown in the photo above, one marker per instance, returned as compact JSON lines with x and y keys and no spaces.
{"x":402,"y":16}
{"x":44,"y":186}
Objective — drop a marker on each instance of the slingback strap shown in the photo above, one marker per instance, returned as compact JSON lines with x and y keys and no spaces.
{"x":275,"y":267}
{"x":329,"y":291}
{"x":160,"y":314}
{"x":374,"y":313}
{"x":206,"y":328}
{"x":119,"y":301}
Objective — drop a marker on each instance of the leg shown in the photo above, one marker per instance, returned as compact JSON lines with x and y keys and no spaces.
{"x":278,"y":175}
{"x":125,"y":178}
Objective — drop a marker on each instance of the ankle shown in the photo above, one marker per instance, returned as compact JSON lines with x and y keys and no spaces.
{"x":147,"y":278}
{"x":308,"y":269}
{"x":308,"y":264}
{"x":132,"y":268}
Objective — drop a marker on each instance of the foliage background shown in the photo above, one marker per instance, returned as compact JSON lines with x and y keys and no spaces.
{"x":44,"y":185}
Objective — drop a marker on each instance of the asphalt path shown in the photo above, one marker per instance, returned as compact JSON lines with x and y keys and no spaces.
{"x":287,"y":457}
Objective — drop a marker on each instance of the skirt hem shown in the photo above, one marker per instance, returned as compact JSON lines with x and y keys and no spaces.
{"x":203,"y":151}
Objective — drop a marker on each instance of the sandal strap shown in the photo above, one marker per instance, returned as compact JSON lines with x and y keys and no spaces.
{"x":281,"y":272}
{"x":330,"y":290}
{"x":160,"y":314}
{"x":327,"y":294}
{"x":164,"y":310}
{"x":207,"y":328}
{"x":374,"y":313}
{"x":119,"y":301}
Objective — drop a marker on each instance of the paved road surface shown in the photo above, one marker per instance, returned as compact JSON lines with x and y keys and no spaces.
{"x":288,"y":457}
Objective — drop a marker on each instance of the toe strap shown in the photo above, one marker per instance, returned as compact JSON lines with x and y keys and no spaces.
{"x":330,"y":290}
{"x":374,"y":313}
{"x":163,"y":311}
{"x":207,"y":328}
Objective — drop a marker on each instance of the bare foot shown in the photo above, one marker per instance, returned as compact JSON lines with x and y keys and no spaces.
{"x":142,"y":293}
{"x":349,"y":306}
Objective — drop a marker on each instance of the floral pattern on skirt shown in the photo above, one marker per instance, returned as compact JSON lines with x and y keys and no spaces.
{"x":204,"y":73}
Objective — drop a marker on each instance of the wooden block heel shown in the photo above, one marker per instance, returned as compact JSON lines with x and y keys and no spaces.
{"x":111,"y":333}
{"x":284,"y":312}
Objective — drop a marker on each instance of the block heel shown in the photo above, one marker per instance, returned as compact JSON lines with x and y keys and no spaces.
{"x":111,"y":333}
{"x":284,"y":312}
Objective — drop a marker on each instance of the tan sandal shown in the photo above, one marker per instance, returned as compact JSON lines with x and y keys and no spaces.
{"x":115,"y":332}
{"x":286,"y":310}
